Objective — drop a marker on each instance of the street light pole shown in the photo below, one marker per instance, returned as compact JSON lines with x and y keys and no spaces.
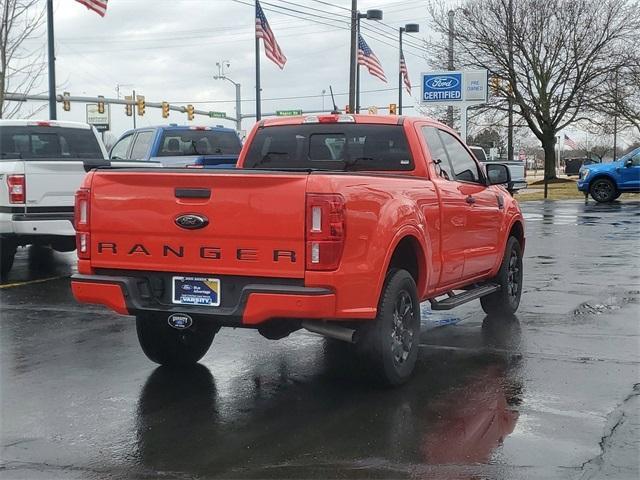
{"x":352,"y":55}
{"x":221,"y":76}
{"x":408,"y":28}
{"x":510,"y":97}
{"x":450,"y":63}
{"x":52,"y":62}
{"x":370,"y":15}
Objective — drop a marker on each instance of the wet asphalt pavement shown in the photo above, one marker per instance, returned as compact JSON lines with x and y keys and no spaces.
{"x":553,"y":394}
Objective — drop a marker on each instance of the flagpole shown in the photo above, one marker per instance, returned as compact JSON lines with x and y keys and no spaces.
{"x":401,"y":29}
{"x":258,"y":112}
{"x":52,"y":62}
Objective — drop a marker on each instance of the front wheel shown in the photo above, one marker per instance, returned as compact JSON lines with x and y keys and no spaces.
{"x":603,"y":190}
{"x":166,"y":345}
{"x":506,"y":301}
{"x":390,"y":344}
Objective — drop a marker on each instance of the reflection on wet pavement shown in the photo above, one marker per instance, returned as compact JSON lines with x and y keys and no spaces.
{"x":549,"y":393}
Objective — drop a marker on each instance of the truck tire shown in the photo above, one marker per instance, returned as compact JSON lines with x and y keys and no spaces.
{"x":7,"y":254}
{"x":505,"y":301}
{"x":603,"y":190}
{"x":390,"y":344}
{"x":166,"y":345}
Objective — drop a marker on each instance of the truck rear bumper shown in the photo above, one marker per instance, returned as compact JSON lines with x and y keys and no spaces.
{"x":256,"y":304}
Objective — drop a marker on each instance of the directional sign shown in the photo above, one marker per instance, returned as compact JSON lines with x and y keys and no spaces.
{"x":442,"y":87}
{"x":97,"y":119}
{"x":217,"y":114}
{"x":288,"y":113}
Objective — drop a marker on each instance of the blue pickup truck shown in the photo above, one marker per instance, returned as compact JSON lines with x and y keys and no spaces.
{"x":179,"y":146}
{"x":607,"y":181}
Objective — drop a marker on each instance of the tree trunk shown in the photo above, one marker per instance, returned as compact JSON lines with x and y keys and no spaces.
{"x":549,"y":144}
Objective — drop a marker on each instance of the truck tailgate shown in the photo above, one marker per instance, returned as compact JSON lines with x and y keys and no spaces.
{"x":256,"y":222}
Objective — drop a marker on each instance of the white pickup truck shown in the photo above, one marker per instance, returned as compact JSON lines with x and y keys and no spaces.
{"x":41,"y":167}
{"x":516,"y":169}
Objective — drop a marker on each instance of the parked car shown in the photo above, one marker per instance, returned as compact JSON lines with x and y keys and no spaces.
{"x":607,"y":181}
{"x":572,"y":166}
{"x":339,"y":224}
{"x":41,"y":167}
{"x":179,"y":146}
{"x":516,"y":169}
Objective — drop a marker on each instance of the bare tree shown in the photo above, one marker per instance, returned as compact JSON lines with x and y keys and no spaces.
{"x":21,"y":67}
{"x":562,"y":50}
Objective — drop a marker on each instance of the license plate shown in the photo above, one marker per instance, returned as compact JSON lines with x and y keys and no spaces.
{"x":196,"y":291}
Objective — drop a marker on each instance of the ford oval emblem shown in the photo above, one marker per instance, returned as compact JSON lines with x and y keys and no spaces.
{"x":443,"y":82}
{"x":180,"y":321}
{"x":192,"y":221}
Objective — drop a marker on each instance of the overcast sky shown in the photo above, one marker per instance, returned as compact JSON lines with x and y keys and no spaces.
{"x":168,"y":49}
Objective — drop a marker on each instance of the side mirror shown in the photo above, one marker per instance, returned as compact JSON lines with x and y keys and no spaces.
{"x":629,"y":163}
{"x":498,"y":174}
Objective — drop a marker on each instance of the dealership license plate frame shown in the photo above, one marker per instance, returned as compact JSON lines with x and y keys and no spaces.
{"x":181,"y":281}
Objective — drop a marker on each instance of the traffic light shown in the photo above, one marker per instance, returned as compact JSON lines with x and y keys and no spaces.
{"x":66,"y":104}
{"x":392,"y":109}
{"x":141,"y":104}
{"x":189,"y":112}
{"x":347,"y":109}
{"x":100,"y":104}
{"x":128,"y":109}
{"x":165,"y":109}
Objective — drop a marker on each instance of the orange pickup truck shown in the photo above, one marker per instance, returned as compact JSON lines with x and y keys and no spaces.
{"x":339,"y":224}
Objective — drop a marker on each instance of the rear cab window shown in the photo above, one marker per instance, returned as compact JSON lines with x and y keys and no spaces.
{"x":31,"y":142}
{"x":177,"y":143}
{"x":340,"y":146}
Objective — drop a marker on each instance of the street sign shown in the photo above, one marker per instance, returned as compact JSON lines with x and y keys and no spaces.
{"x":288,"y":113}
{"x":455,"y":87}
{"x":217,"y":114}
{"x":99,"y":120}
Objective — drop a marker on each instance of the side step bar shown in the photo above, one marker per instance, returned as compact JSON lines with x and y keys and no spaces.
{"x":457,"y":299}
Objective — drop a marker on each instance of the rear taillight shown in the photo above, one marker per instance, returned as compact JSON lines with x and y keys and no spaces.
{"x":17,"y":188}
{"x":82,"y":212}
{"x":325,"y":231}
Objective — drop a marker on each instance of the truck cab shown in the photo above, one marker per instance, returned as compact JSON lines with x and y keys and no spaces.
{"x":179,"y":146}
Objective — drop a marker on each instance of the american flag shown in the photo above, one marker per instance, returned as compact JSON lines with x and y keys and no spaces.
{"x":271,"y":47}
{"x":570,"y":142}
{"x":98,"y":6}
{"x":367,"y":58}
{"x":405,"y":73}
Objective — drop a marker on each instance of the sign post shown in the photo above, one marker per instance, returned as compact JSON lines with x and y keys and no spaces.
{"x":455,"y":88}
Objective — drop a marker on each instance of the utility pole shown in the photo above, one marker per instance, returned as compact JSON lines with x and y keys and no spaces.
{"x":133,"y":99}
{"x":52,"y":62}
{"x":221,"y":76}
{"x":510,"y":97}
{"x":450,"y":63}
{"x":353,"y":55}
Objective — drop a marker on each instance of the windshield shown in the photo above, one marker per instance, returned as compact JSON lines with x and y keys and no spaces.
{"x":177,"y":143}
{"x":330,"y":147}
{"x":40,"y":142}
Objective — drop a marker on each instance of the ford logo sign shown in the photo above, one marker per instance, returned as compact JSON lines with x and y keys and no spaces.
{"x":442,"y":83}
{"x":180,"y":321}
{"x":192,"y":221}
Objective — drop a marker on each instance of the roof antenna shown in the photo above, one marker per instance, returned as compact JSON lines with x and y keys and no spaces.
{"x":335,"y":107}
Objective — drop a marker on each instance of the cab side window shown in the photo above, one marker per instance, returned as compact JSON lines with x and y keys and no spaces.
{"x":142,"y":145}
{"x":635,"y":160}
{"x":438,"y":153}
{"x":465,"y":168}
{"x":119,"y":150}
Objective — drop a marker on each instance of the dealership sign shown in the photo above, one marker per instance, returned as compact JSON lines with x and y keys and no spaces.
{"x":99,"y":120}
{"x":455,"y":87}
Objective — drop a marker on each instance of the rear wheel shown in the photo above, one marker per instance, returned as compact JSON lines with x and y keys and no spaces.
{"x":390,"y":344}
{"x":7,"y":254}
{"x":603,"y":190}
{"x":166,"y":345}
{"x":506,"y":300}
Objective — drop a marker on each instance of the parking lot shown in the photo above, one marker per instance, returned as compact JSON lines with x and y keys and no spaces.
{"x":553,"y":393}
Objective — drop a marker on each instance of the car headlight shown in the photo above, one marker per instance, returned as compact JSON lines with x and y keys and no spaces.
{"x":584,"y":174}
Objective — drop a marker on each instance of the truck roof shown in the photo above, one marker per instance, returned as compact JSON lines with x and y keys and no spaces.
{"x":357,"y":118}
{"x":53,"y":123}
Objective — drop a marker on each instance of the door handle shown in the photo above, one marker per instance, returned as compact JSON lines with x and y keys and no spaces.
{"x":470,"y":199}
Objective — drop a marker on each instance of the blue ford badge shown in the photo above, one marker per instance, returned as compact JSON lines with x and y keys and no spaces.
{"x":192,"y":221}
{"x":443,"y":82}
{"x":180,"y":321}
